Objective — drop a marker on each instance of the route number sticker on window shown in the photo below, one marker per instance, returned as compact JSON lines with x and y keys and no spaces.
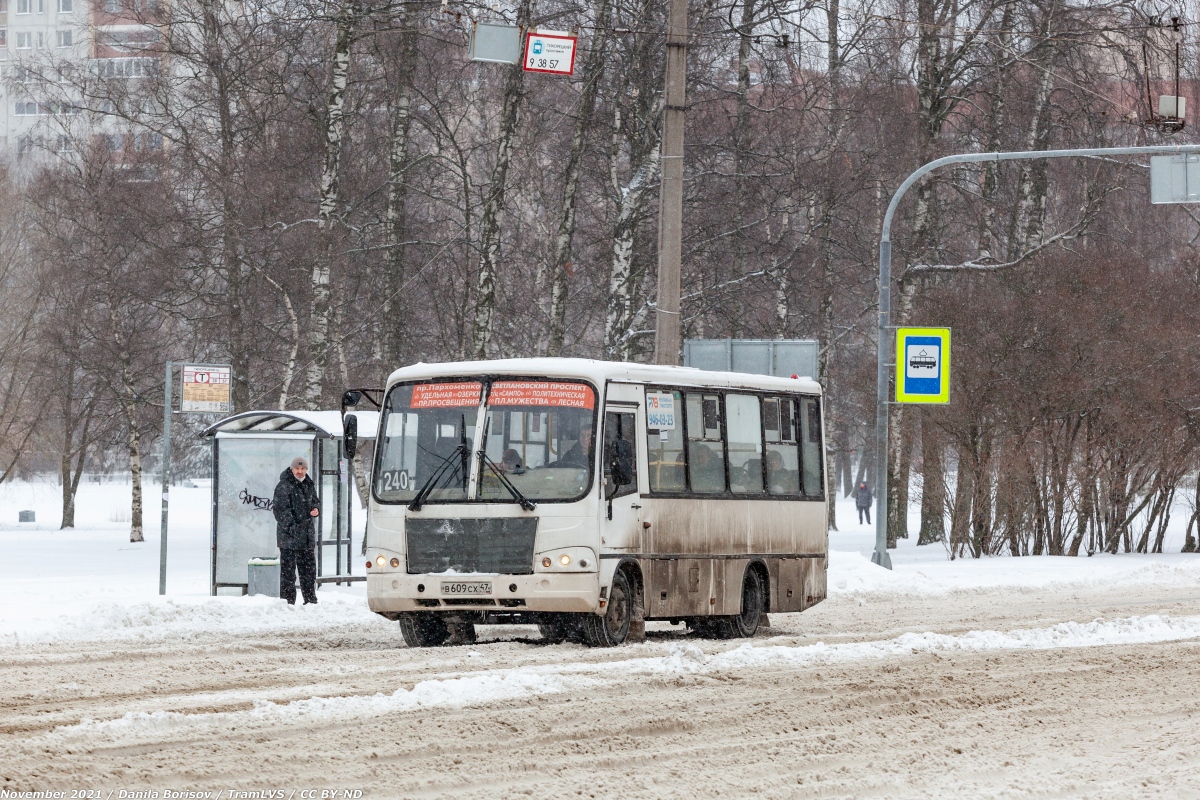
{"x":660,"y":411}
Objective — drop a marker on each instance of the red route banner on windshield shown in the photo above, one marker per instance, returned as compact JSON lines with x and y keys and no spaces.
{"x":542,"y":393}
{"x":446,"y":395}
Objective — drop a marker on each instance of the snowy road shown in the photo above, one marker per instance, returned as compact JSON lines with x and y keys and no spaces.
{"x":989,"y":692}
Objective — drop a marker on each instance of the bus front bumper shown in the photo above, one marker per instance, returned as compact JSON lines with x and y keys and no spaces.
{"x":394,"y":592}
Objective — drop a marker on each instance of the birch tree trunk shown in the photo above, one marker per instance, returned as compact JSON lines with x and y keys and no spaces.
{"x":828,"y":272}
{"x":392,"y":340}
{"x":493,"y":207}
{"x":593,"y":70}
{"x":335,"y":123}
{"x":622,"y":282}
{"x":1029,"y":215}
{"x":988,"y":243}
{"x":129,"y":405}
{"x":74,"y":448}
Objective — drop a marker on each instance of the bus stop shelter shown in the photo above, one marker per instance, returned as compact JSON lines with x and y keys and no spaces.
{"x":250,"y":451}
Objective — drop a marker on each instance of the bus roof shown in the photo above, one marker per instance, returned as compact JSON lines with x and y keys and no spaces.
{"x":600,"y":372}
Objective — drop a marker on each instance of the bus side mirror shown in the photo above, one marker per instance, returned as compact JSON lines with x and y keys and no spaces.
{"x":620,"y":465}
{"x":350,"y":435}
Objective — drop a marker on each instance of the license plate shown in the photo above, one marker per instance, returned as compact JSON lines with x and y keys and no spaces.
{"x":467,"y":587}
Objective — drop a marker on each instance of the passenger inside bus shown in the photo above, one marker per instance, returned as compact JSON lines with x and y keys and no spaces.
{"x":780,"y":479}
{"x":708,"y":474}
{"x":580,"y":454}
{"x":511,"y":462}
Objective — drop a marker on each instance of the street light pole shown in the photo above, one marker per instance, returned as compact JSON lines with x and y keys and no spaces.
{"x":880,"y":556}
{"x":670,"y":212}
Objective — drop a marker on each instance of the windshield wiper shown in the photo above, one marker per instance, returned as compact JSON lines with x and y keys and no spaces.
{"x":461,"y":451}
{"x":525,"y":502}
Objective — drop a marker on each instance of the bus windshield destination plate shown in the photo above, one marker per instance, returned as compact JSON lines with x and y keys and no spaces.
{"x":466,"y":587}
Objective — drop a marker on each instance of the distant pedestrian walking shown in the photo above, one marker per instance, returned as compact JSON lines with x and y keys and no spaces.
{"x":862,"y":501}
{"x":296,"y":506}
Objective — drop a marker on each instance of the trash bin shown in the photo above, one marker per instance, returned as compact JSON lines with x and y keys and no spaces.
{"x":263,"y":576}
{"x":26,"y":516}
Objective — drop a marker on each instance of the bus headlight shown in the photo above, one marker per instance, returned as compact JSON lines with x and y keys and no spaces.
{"x":566,"y":559}
{"x":381,"y":561}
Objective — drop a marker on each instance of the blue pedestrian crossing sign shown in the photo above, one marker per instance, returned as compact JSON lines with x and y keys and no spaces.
{"x":923,"y":365}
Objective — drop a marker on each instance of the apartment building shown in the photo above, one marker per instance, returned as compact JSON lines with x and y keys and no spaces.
{"x":49,"y":49}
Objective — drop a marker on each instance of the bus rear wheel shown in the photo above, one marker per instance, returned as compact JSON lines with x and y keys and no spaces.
{"x":611,"y":628}
{"x":745,"y":624}
{"x":424,"y":630}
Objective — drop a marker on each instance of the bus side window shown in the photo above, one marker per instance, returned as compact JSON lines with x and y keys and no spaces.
{"x":783,"y":457}
{"x":706,"y":450}
{"x":619,"y":425}
{"x":810,"y":429}
{"x":745,"y":443}
{"x":664,"y":452}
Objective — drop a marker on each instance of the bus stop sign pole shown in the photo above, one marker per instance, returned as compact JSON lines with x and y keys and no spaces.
{"x":880,"y":556}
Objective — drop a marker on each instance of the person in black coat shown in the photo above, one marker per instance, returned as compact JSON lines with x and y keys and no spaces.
{"x":296,"y":506}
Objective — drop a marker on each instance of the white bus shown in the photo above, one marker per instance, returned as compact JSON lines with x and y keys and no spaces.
{"x":588,"y":496}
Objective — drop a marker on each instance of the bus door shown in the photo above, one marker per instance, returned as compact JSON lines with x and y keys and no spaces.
{"x":621,"y":520}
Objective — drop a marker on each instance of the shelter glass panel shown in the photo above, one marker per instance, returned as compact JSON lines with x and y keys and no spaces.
{"x":247,"y":471}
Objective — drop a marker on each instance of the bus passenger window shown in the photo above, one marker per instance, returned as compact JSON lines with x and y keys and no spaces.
{"x":745,"y":444}
{"x":664,"y":447}
{"x":810,"y":429}
{"x":783,"y":457}
{"x":622,"y":426}
{"x":706,"y":451}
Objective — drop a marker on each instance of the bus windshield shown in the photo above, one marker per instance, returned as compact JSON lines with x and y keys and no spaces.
{"x":538,"y":433}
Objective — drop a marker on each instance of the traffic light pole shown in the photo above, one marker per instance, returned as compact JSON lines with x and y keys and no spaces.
{"x":880,"y":556}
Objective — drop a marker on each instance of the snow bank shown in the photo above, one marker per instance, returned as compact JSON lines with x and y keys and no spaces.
{"x":689,"y":658}
{"x":470,"y":689}
{"x":852,"y":574}
{"x":186,"y":618}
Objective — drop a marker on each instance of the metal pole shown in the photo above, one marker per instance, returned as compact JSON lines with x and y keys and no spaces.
{"x":670,"y":216}
{"x":166,"y":481}
{"x":880,"y":556}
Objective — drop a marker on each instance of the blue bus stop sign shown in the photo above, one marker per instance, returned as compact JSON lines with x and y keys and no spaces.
{"x":923,"y":365}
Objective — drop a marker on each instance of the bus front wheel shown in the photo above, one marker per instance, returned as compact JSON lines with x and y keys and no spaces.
{"x":424,"y":630}
{"x":611,"y":628}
